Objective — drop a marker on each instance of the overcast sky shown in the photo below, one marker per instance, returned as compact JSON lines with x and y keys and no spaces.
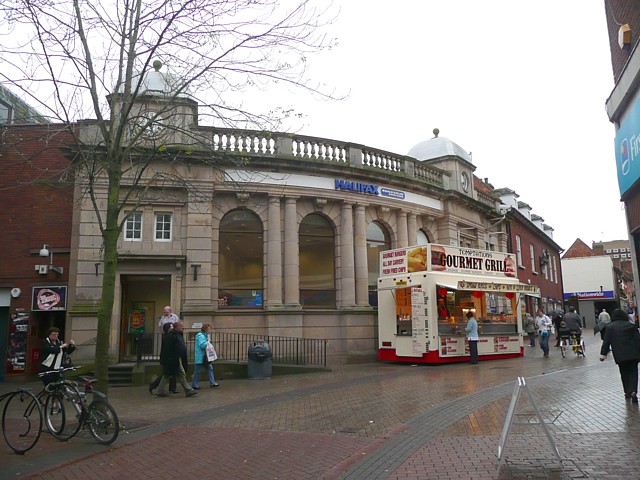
{"x":520,"y":85}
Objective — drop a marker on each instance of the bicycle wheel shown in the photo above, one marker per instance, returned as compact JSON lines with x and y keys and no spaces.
{"x":103,"y":421}
{"x":22,"y":421}
{"x":61,"y":414}
{"x":54,"y":414}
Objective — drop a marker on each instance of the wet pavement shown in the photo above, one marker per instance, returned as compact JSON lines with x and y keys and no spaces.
{"x":371,"y":421}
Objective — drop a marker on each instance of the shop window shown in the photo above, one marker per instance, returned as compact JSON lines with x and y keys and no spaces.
{"x":495,"y":311}
{"x":241,"y":262}
{"x":378,"y":240}
{"x":133,"y":227}
{"x":163,"y":227}
{"x":519,"y":251}
{"x":317,"y":263}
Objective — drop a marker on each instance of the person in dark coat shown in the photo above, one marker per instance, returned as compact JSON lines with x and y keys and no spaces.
{"x":557,"y":319}
{"x":171,"y":358}
{"x":172,"y":380}
{"x":624,"y":339}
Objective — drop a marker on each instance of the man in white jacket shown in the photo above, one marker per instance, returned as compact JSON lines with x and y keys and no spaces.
{"x":543,"y":324}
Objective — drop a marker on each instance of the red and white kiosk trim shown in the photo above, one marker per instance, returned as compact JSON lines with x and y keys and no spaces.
{"x":424,"y":293}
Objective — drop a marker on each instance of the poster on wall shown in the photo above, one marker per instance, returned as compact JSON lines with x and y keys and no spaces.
{"x":49,"y":299}
{"x":17,"y":342}
{"x":136,"y":321}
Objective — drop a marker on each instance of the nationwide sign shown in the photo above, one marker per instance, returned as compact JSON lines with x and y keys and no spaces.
{"x":368,"y":189}
{"x":590,"y":295}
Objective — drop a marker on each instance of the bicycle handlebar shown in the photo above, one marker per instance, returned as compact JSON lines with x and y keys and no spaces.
{"x":59,"y":370}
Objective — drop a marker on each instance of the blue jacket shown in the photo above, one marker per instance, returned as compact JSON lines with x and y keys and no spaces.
{"x":201,"y":348}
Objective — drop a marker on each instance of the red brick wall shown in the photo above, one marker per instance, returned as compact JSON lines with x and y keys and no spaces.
{"x":621,"y":12}
{"x":35,"y":208}
{"x":530,"y":234}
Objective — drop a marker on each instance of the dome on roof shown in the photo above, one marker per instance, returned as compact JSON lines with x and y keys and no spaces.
{"x":156,"y":82}
{"x":438,"y":147}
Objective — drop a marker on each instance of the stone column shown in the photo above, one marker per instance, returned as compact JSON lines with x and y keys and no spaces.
{"x":347,"y":269}
{"x":274,"y":255}
{"x":402,"y":229}
{"x":361,"y":266}
{"x":291,"y":254}
{"x":413,"y":229}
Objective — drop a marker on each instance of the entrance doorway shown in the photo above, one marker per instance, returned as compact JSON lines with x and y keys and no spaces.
{"x":143,"y":298}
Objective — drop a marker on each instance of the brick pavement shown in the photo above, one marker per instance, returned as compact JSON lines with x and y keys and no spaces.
{"x":365,"y":421}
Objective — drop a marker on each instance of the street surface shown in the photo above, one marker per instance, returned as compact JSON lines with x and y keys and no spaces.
{"x":371,"y":421}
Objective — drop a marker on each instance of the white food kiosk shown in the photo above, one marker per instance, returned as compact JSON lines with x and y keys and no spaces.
{"x":425,"y":292}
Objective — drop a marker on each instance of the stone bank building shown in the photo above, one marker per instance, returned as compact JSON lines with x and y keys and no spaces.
{"x":281,"y":238}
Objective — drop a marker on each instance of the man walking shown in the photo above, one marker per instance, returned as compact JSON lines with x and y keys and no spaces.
{"x":171,"y":359}
{"x":543,"y":324}
{"x":168,"y":317}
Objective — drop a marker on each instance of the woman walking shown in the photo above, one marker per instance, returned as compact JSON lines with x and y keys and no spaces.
{"x":202,"y":340}
{"x":624,"y":340}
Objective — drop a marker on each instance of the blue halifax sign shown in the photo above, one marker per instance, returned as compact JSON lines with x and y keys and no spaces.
{"x":627,"y":144}
{"x":368,"y":189}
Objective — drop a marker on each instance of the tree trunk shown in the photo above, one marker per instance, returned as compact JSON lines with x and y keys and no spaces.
{"x":105,"y":310}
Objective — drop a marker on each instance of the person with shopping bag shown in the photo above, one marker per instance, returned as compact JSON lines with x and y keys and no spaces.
{"x":204,"y":355}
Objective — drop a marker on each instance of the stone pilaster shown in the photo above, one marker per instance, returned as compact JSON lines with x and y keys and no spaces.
{"x":274,"y":255}
{"x":291,"y":254}
{"x":360,"y":251}
{"x":347,"y":267}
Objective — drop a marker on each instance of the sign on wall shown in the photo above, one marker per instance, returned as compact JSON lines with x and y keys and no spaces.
{"x":48,"y":299}
{"x":627,"y":147}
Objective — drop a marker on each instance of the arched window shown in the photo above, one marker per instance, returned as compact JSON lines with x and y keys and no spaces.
{"x":317,"y":263}
{"x":423,"y":239}
{"x":378,"y":240}
{"x":240,"y":260}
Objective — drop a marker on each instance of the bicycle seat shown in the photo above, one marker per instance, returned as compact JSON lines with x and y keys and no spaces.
{"x":88,"y":379}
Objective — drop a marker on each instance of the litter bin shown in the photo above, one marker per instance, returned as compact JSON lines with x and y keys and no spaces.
{"x":259,"y":361}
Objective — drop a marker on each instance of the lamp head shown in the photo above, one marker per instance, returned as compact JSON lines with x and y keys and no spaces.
{"x":44,"y":251}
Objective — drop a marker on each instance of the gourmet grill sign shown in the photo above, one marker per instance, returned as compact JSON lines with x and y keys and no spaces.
{"x":368,"y":189}
{"x":456,"y":259}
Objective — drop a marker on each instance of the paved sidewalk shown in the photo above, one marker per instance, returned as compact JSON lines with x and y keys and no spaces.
{"x":364,"y":422}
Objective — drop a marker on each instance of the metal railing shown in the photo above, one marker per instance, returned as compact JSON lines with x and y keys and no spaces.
{"x":234,"y":347}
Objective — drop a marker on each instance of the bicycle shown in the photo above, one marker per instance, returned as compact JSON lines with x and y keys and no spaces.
{"x":21,"y":421}
{"x":570,"y":341}
{"x":67,"y":410}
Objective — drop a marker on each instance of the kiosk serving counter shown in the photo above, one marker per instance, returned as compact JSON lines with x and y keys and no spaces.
{"x":425,"y":292}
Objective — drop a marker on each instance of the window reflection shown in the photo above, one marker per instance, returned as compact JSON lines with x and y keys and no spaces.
{"x":378,"y":240}
{"x":241,"y":260}
{"x":317,"y":264}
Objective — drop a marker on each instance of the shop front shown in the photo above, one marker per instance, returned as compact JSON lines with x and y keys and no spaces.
{"x":425,"y":293}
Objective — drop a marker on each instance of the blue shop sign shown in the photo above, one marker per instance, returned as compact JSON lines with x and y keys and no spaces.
{"x":596,"y":295}
{"x":368,"y":188}
{"x":627,"y":145}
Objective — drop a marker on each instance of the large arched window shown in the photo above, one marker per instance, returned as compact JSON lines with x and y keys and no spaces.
{"x":317,"y":263}
{"x":241,"y":264}
{"x":422,"y":237}
{"x":378,"y":240}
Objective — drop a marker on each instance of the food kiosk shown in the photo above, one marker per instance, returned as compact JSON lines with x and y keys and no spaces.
{"x":425,"y":292}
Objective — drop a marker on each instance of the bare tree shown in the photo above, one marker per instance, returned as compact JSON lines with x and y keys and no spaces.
{"x":96,"y":59}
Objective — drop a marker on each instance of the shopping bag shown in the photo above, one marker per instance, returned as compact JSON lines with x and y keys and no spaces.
{"x":211,"y":353}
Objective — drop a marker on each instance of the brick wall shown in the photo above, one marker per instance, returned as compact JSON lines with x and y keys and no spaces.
{"x":621,"y":12}
{"x":35,"y":207}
